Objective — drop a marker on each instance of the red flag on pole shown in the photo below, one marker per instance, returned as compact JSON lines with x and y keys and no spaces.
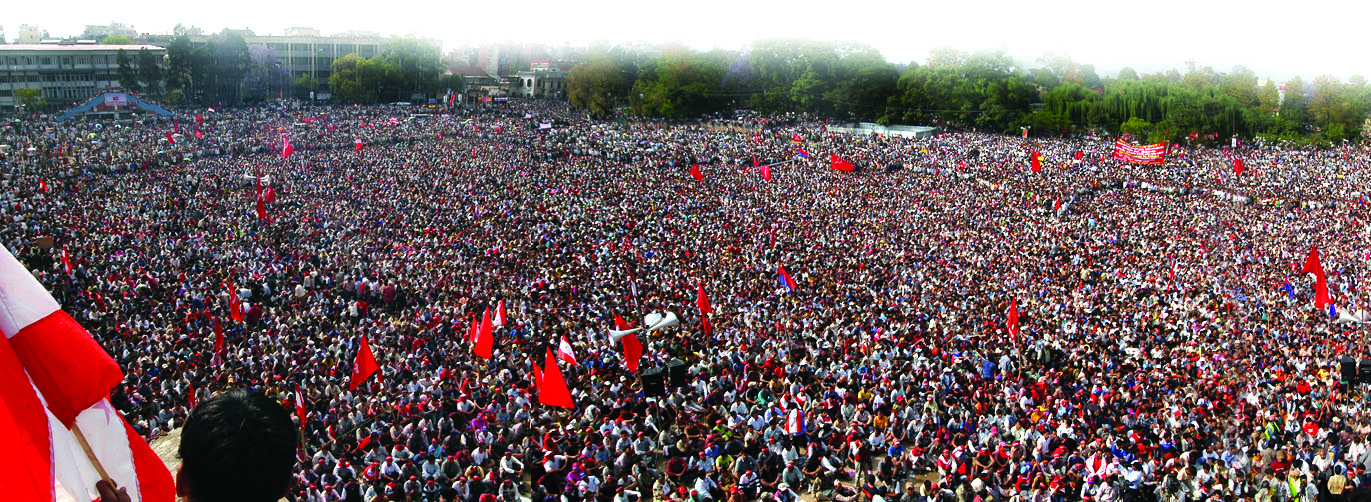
{"x":553,"y":391}
{"x":840,"y":164}
{"x":766,"y":173}
{"x":235,"y":308}
{"x":218,"y":336}
{"x":190,"y":395}
{"x":364,"y":366}
{"x":695,"y":173}
{"x":702,"y":301}
{"x":499,"y":319}
{"x":485,"y":340}
{"x":46,"y":358}
{"x":1037,"y":162}
{"x":287,"y":150}
{"x":797,"y":138}
{"x":66,"y":262}
{"x":357,"y":142}
{"x":1013,"y":323}
{"x":261,"y":207}
{"x":42,"y":186}
{"x":300,"y":406}
{"x":170,"y":139}
{"x":537,"y":375}
{"x":1313,"y":266}
{"x":565,"y":353}
{"x":1237,"y":166}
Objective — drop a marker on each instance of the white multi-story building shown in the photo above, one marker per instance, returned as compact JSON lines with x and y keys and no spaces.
{"x":65,"y":73}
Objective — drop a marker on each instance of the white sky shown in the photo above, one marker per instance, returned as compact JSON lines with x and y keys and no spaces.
{"x":1276,"y":39}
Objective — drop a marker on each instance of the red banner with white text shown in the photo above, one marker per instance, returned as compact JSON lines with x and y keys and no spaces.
{"x":1140,"y":154}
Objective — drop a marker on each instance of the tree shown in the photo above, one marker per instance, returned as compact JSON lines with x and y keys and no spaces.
{"x":128,"y":78}
{"x":1127,"y":73}
{"x":305,"y":84}
{"x":595,"y":85}
{"x":418,"y":62}
{"x":31,"y":99}
{"x":116,"y":39}
{"x":149,"y":72}
{"x":177,"y":75}
{"x":265,"y":78}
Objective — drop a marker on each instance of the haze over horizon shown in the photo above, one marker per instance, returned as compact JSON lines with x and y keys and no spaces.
{"x":1271,"y":38}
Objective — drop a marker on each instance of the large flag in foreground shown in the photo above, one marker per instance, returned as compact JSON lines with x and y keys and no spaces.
{"x":54,"y":383}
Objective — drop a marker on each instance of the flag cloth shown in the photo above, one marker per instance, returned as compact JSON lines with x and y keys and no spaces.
{"x":66,"y":262}
{"x":175,"y":126}
{"x":702,"y":301}
{"x":766,"y":173}
{"x":474,"y":330}
{"x":499,"y":319}
{"x":170,"y":139}
{"x":795,"y":421}
{"x":1037,"y":162}
{"x":218,"y":336}
{"x":565,"y":353}
{"x":54,"y":376}
{"x":357,"y":142}
{"x":1332,"y":312}
{"x":198,"y":119}
{"x":190,"y":395}
{"x":797,"y":138}
{"x":840,"y":164}
{"x":42,"y":185}
{"x":553,"y":391}
{"x":198,"y":135}
{"x":1012,"y":324}
{"x":1289,"y":289}
{"x":1312,"y":266}
{"x":756,"y":138}
{"x":235,"y":308}
{"x":633,"y":349}
{"x":287,"y":150}
{"x":1057,"y":205}
{"x":300,"y":406}
{"x":537,"y":374}
{"x":695,"y":173}
{"x":485,"y":340}
{"x":802,"y":152}
{"x":211,"y":109}
{"x":620,"y":324}
{"x":786,"y":281}
{"x":261,"y":207}
{"x":364,"y":366}
{"x":1237,"y":166}
{"x":269,"y":194}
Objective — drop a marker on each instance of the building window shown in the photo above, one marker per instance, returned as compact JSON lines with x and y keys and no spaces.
{"x":66,"y":60}
{"x":83,"y":60}
{"x":45,"y":61}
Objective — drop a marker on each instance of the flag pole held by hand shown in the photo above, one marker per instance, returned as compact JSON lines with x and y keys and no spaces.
{"x":90,"y":454}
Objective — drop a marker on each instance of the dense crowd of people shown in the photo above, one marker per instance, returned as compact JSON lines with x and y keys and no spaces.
{"x":1167,"y":346}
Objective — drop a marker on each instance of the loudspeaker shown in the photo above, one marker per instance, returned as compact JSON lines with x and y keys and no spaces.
{"x":676,"y":370}
{"x":1364,"y":371}
{"x":654,"y":384}
{"x":1348,"y":366}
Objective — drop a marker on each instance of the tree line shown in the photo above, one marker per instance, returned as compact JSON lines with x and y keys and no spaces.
{"x":986,"y":91}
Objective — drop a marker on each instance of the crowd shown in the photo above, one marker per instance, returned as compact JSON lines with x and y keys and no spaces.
{"x":1160,"y":354}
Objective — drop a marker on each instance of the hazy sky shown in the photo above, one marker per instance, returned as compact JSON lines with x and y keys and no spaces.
{"x":1275,"y":39}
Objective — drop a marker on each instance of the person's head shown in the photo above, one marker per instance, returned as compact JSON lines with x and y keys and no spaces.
{"x":236,"y":446}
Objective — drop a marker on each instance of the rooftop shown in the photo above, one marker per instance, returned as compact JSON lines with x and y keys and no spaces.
{"x":76,"y":47}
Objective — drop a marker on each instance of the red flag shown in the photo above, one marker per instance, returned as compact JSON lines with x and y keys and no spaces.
{"x":553,"y":391}
{"x":357,"y":142}
{"x":363,"y":367}
{"x":1312,"y":266}
{"x":269,"y":194}
{"x":754,"y":161}
{"x":170,"y":139}
{"x":198,"y":135}
{"x":565,"y":353}
{"x":261,"y":207}
{"x":218,"y":336}
{"x":620,"y":324}
{"x":474,"y":330}
{"x":198,"y":119}
{"x":42,"y":186}
{"x":756,"y":138}
{"x":1079,"y":154}
{"x":300,"y":405}
{"x":46,"y":357}
{"x":537,"y":375}
{"x":499,"y":319}
{"x":175,"y":126}
{"x":190,"y":394}
{"x":1057,"y":205}
{"x":695,"y":173}
{"x":1037,"y":162}
{"x":235,"y":308}
{"x":766,"y":173}
{"x":840,"y":164}
{"x":797,"y":138}
{"x":287,"y":150}
{"x":702,"y":301}
{"x":1013,"y":323}
{"x":704,"y":325}
{"x":1237,"y":167}
{"x":633,"y":349}
{"x":66,"y":262}
{"x":485,"y":340}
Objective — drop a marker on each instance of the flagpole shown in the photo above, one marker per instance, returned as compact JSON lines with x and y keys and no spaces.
{"x":90,"y":454}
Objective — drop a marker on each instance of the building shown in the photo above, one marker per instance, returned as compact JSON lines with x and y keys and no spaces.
{"x":29,"y":34}
{"x":544,"y":83}
{"x":66,"y":73}
{"x":99,"y":32}
{"x":306,"y":52}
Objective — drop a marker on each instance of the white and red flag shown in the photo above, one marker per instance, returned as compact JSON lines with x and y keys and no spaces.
{"x":564,"y":352}
{"x":54,"y":381}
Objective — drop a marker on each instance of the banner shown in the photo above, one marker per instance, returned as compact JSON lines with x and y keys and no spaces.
{"x":1143,"y":154}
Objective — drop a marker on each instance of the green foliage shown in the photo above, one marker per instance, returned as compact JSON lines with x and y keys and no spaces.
{"x":418,"y":63}
{"x":595,"y":85}
{"x":116,"y":39}
{"x":31,"y":99}
{"x":679,"y":85}
{"x":149,"y":73}
{"x":128,"y":77}
{"x":375,"y":80}
{"x":305,"y":84}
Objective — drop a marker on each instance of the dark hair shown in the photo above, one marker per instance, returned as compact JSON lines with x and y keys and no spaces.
{"x":238,"y":446}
